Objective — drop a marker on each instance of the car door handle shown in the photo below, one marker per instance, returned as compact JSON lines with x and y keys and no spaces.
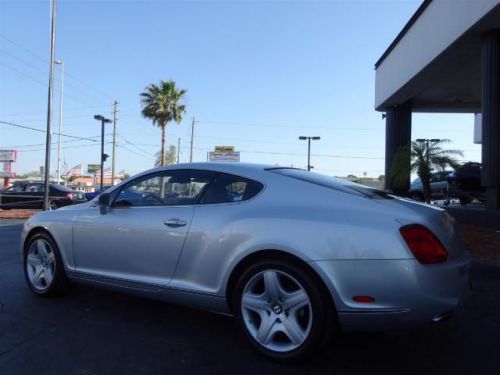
{"x":175,"y":223}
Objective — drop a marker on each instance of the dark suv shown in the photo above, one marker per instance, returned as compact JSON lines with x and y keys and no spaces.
{"x":465,"y":183}
{"x":29,"y":194}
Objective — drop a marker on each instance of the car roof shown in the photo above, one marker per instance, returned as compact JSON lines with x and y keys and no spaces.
{"x":247,"y":169}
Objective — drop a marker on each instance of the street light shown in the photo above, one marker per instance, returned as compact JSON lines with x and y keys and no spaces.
{"x":103,"y":120}
{"x":303,"y":138}
{"x":60,"y":62}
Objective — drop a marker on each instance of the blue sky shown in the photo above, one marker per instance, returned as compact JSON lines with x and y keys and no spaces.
{"x":258,"y":75}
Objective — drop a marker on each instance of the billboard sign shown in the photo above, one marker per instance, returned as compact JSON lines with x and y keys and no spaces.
{"x":8,"y":155}
{"x":224,"y":156}
{"x":6,"y":170}
{"x":224,"y":149}
{"x":92,"y":168}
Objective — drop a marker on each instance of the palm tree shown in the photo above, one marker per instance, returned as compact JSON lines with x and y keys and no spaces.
{"x":170,"y":156}
{"x":424,"y":157}
{"x":161,"y":104}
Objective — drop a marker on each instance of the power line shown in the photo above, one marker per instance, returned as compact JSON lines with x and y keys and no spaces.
{"x":133,"y":152}
{"x":53,"y":143}
{"x":134,"y":145}
{"x":45,"y":131}
{"x":46,"y":61}
{"x":69,"y":147}
{"x":301,"y":154}
{"x":286,"y":126}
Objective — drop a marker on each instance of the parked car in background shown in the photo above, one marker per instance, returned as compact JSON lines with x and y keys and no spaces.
{"x":439,"y":187}
{"x":294,"y":255}
{"x":93,"y":194}
{"x":465,"y":183}
{"x":29,"y":194}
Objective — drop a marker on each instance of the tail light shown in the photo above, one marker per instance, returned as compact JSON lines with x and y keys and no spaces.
{"x":424,"y":245}
{"x":70,"y":196}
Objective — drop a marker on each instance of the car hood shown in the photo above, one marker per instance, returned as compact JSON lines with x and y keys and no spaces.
{"x":76,"y":207}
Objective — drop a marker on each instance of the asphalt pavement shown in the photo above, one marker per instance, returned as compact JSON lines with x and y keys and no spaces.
{"x":92,"y":331}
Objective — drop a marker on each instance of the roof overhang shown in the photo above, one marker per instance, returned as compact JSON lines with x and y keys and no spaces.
{"x":436,"y":59}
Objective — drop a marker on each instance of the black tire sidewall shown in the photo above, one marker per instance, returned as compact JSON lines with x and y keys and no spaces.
{"x":319,"y":324}
{"x":60,"y":281}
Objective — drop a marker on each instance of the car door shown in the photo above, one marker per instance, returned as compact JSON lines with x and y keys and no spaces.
{"x":34,"y":195}
{"x":141,"y":236}
{"x":12,"y":196}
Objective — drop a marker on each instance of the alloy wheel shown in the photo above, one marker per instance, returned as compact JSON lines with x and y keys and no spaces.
{"x":276,"y":311}
{"x":40,"y":265}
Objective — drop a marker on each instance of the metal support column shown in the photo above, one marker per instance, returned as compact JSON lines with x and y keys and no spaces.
{"x":397,"y":135}
{"x":491,"y":118}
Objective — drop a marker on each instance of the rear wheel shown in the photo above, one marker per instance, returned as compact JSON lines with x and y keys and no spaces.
{"x":43,"y":266}
{"x":281,"y":310}
{"x":52,"y":205}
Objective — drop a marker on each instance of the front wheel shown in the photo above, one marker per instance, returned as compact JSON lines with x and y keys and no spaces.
{"x":43,"y":266}
{"x":281,"y":309}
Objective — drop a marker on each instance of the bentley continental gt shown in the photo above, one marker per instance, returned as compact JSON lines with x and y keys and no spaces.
{"x":294,"y":256}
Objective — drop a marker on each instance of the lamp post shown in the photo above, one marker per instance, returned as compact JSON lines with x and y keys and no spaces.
{"x":303,"y":138}
{"x":60,"y":62}
{"x":103,"y":120}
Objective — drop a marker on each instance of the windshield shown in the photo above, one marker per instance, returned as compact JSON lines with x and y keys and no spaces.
{"x":339,"y":184}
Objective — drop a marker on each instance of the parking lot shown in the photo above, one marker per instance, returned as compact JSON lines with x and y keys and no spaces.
{"x":92,"y":331}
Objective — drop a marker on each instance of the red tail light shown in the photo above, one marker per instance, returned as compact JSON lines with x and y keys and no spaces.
{"x":70,"y":196}
{"x":424,"y":245}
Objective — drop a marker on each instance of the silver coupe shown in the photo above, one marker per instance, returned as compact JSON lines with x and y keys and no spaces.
{"x":295,"y":256}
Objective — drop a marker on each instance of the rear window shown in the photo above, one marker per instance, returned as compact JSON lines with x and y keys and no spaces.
{"x":227,"y":188}
{"x":332,"y":182}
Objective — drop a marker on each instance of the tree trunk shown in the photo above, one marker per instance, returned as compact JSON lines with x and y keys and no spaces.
{"x":163,"y":140}
{"x":425,"y":177}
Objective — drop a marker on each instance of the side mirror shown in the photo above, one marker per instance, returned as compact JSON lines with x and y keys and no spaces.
{"x":103,"y":201}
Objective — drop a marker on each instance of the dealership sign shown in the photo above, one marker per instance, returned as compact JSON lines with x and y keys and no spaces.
{"x":8,"y":155}
{"x":224,"y":149}
{"x":92,"y":168}
{"x":224,"y":156}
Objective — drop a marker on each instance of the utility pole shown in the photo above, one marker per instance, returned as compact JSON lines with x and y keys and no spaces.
{"x":49,"y":108}
{"x":60,"y":62}
{"x":115,"y":120}
{"x":192,"y":138}
{"x":178,"y":149}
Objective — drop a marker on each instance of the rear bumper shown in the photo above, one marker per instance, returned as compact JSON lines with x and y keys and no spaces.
{"x":407,"y":294}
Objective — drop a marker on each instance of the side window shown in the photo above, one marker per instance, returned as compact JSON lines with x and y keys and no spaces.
{"x":35,"y":188}
{"x":228,"y":188}
{"x":164,"y":189}
{"x":18,"y":188}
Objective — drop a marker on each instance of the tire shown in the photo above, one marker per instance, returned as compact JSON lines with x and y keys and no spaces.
{"x":282,"y":311}
{"x":43,"y":267}
{"x":53,"y":205}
